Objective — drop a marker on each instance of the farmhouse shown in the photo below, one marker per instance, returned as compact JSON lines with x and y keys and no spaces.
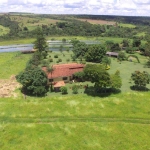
{"x":113,"y":54}
{"x":63,"y":72}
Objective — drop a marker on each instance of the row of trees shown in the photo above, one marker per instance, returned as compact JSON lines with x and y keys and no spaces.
{"x":33,"y":79}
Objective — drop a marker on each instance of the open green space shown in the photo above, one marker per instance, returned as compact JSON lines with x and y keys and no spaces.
{"x":127,"y":25}
{"x":76,"y":122}
{"x":12,"y":63}
{"x":32,"y":22}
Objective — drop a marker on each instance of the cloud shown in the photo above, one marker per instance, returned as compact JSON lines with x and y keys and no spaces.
{"x":99,"y":7}
{"x":142,"y":2}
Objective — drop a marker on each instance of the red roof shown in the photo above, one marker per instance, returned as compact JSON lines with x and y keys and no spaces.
{"x":64,"y":70}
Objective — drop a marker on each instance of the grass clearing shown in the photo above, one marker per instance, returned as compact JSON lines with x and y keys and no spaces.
{"x":76,"y":122}
{"x":101,"y":22}
{"x":127,"y":25}
{"x":33,"y":22}
{"x":12,"y":63}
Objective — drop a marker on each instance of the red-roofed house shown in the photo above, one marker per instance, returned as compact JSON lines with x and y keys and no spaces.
{"x":63,"y":72}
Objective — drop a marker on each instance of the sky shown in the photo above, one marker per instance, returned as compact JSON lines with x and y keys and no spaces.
{"x":95,"y":7}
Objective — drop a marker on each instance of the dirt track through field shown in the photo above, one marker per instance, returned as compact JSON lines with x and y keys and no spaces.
{"x":48,"y":120}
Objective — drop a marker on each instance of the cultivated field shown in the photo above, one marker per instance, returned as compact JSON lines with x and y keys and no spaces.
{"x":102,"y":22}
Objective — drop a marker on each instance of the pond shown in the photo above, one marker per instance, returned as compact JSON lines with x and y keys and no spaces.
{"x":53,"y":45}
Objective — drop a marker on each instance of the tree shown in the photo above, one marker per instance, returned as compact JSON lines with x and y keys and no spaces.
{"x":140,"y":78}
{"x":79,"y":75}
{"x":34,"y":81}
{"x":97,"y":74}
{"x":95,"y":53}
{"x":121,"y":56}
{"x":136,"y":42}
{"x":64,"y":40}
{"x":40,"y":44}
{"x":50,"y":70}
{"x":61,"y":48}
{"x":79,"y":48}
{"x":125,"y":43}
{"x":115,"y":47}
{"x":115,"y":80}
{"x":106,"y":60}
{"x":109,"y":44}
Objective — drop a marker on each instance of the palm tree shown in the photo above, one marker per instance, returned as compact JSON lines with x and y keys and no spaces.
{"x":50,"y":70}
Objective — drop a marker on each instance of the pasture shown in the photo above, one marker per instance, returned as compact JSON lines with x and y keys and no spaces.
{"x":60,"y":122}
{"x":101,"y":22}
{"x":127,"y":25}
{"x":12,"y":64}
{"x":76,"y":122}
{"x":33,"y":22}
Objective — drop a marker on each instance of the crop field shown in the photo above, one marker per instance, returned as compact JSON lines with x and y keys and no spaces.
{"x":76,"y":122}
{"x":102,"y":22}
{"x":4,"y":30}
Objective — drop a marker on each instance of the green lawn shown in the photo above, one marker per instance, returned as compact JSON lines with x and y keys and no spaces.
{"x":76,"y":122}
{"x":126,"y":68}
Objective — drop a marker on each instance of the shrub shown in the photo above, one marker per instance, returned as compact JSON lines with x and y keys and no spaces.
{"x":60,"y":60}
{"x":68,"y":60}
{"x":50,"y":60}
{"x":45,"y":63}
{"x":121,"y":56}
{"x":56,"y":56}
{"x":64,"y":90}
{"x":63,"y":40}
{"x":75,"y":89}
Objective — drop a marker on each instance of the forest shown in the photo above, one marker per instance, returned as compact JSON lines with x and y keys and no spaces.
{"x":24,"y":26}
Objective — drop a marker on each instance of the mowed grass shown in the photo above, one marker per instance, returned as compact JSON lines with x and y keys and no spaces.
{"x":126,"y":68}
{"x":3,"y":30}
{"x":12,"y":63}
{"x":76,"y":122}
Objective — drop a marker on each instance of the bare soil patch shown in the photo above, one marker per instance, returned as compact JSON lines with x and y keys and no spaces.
{"x":8,"y":86}
{"x":102,"y":22}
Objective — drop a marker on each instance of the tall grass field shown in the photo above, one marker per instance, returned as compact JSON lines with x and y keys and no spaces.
{"x":76,"y":122}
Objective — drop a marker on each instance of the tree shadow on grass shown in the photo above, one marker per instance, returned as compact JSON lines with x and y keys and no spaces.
{"x":139,"y":88}
{"x":103,"y":92}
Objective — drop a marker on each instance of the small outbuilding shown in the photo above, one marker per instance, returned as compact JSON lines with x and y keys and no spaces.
{"x":112,"y":54}
{"x":58,"y":85}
